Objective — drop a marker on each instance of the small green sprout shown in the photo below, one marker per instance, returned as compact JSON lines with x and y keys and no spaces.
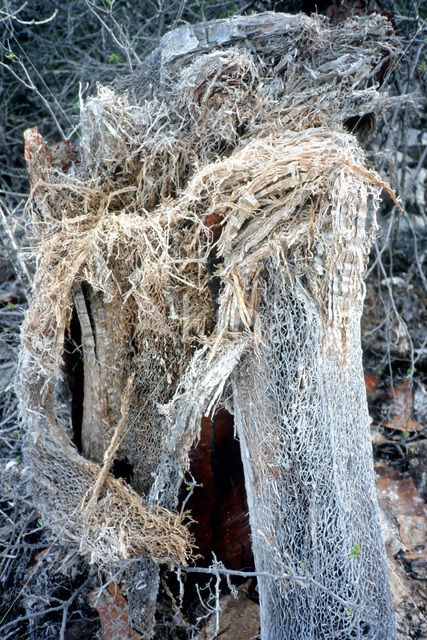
{"x":404,"y":435}
{"x":379,"y":372}
{"x":355,"y":551}
{"x":76,"y":106}
{"x":6,"y":329}
{"x":10,"y":56}
{"x":39,"y":522}
{"x":409,"y":371}
{"x":113,"y":57}
{"x":18,"y":458}
{"x":349,"y":612}
{"x":10,"y":305}
{"x":423,"y":67}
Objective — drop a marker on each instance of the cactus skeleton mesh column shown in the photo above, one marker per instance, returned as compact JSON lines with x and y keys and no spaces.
{"x":305,"y":440}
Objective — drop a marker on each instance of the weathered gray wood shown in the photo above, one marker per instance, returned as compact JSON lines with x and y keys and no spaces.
{"x":181,"y":46}
{"x":192,"y":40}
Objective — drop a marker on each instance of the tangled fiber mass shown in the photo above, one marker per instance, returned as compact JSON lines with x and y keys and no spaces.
{"x":227,"y":161}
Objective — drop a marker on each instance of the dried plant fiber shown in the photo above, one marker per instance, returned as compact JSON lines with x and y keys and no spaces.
{"x":241,"y":122}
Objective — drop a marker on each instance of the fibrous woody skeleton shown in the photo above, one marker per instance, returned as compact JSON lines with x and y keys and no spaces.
{"x":243,"y":120}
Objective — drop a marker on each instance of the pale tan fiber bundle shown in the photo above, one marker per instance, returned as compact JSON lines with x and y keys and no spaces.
{"x":244,"y":122}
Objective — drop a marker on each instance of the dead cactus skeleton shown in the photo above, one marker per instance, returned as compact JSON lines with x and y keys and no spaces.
{"x":243,"y":119}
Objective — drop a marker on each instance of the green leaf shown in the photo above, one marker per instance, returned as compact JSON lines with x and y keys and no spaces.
{"x":10,"y":56}
{"x":76,"y":106}
{"x":355,"y":551}
{"x":10,"y":305}
{"x":113,"y":57}
{"x":349,"y":612}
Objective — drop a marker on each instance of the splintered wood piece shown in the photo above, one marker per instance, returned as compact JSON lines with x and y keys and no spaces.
{"x":113,"y":611}
{"x":401,"y":407}
{"x":40,"y":157}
